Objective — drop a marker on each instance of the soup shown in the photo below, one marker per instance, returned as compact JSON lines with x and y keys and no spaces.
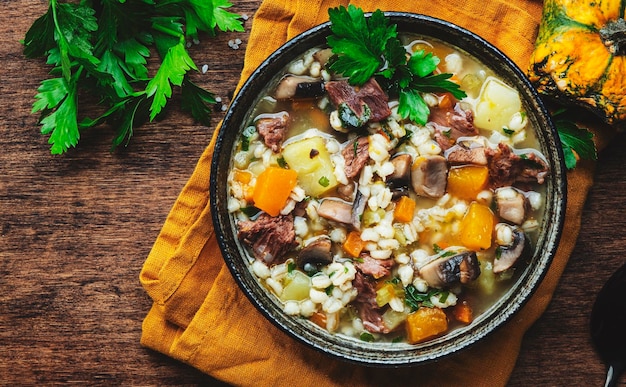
{"x":378,"y":227}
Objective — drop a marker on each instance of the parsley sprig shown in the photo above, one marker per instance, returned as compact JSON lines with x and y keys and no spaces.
{"x":577,"y":142}
{"x":366,"y":47}
{"x":102,"y":47}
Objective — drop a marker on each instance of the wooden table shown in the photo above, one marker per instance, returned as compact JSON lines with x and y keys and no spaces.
{"x":76,"y":229}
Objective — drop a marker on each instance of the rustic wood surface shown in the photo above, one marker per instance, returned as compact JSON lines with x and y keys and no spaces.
{"x":75,"y":231}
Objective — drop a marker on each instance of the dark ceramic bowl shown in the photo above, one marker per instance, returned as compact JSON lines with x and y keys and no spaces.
{"x":390,"y":354}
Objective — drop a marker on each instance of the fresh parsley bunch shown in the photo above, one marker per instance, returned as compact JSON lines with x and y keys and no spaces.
{"x":367,"y":47}
{"x":101,"y":47}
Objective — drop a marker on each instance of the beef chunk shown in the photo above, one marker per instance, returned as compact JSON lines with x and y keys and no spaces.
{"x":355,"y":154}
{"x":452,"y":123}
{"x":377,"y":268}
{"x":273,"y":130}
{"x":459,"y":155}
{"x":359,"y":105}
{"x":269,"y":237}
{"x":369,"y":311}
{"x":507,"y":168}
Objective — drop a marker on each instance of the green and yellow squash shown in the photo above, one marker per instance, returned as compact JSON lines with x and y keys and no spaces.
{"x":580,"y":55}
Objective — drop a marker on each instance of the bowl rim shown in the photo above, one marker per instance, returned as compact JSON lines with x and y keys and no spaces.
{"x":378,"y":354}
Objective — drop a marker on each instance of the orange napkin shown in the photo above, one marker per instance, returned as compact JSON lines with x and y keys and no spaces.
{"x":200,"y":316}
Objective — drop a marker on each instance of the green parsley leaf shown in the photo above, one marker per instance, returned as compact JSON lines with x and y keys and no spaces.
{"x":367,"y":47}
{"x":358,"y":42}
{"x":422,"y":63}
{"x":197,"y":101}
{"x":323,"y":181}
{"x":574,"y":140}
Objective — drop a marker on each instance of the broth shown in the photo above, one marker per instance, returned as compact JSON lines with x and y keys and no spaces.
{"x":377,"y":230}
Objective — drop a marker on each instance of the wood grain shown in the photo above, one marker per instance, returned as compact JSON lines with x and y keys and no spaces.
{"x":75,"y":231}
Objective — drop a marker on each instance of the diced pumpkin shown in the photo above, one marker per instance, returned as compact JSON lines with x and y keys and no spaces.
{"x":476,"y":228}
{"x":310,"y":158}
{"x":425,"y":324}
{"x":272,"y":189}
{"x":353,"y":245}
{"x":405,"y":207}
{"x":467,"y":181}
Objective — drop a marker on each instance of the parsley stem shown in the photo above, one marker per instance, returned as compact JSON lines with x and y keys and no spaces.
{"x":168,"y":31}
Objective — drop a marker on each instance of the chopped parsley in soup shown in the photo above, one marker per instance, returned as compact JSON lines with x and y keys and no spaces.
{"x":378,"y":227}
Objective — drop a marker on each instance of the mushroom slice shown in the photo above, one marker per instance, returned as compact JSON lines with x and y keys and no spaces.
{"x":512,"y":245}
{"x":512,"y":205}
{"x":322,"y":56}
{"x":336,"y":210}
{"x":293,"y":86}
{"x":447,"y":271}
{"x":358,"y":207}
{"x":315,"y":252}
{"x":401,"y":175}
{"x":429,"y":176}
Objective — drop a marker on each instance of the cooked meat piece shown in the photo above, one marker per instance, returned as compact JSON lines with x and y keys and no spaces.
{"x":452,"y":123}
{"x":270,"y":238}
{"x":377,"y":268}
{"x":511,"y":205}
{"x":459,"y":155}
{"x":369,"y":103}
{"x":507,"y":167}
{"x":444,"y":272}
{"x":429,"y":176}
{"x":346,"y":191}
{"x":273,"y":130}
{"x":356,"y":154}
{"x":371,"y":315}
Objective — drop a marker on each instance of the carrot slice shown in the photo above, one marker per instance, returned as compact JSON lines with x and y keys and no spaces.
{"x":405,"y":207}
{"x":463,"y":313}
{"x":353,"y":244}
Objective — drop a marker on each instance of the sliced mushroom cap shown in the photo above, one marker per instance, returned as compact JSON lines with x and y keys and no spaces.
{"x":358,"y":207}
{"x":512,"y":245}
{"x":322,"y":56}
{"x":336,"y":210}
{"x":316,"y":252}
{"x":512,"y":205}
{"x":294,"y":86}
{"x":429,"y":176}
{"x":447,"y":271}
{"x":401,"y":175}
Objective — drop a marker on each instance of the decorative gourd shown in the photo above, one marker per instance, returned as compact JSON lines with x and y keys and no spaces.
{"x":580,"y":55}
